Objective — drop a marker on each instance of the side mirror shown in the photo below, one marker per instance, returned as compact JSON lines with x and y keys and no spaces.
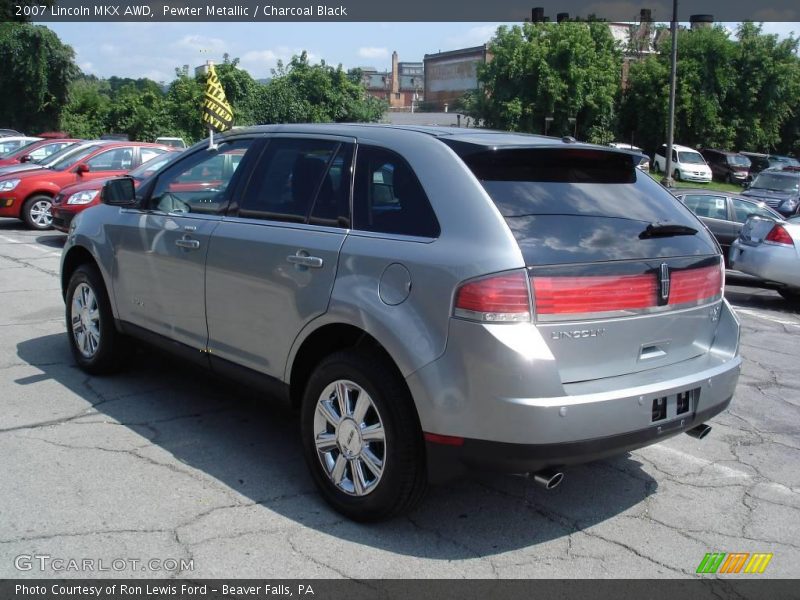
{"x":119,"y":192}
{"x":82,"y":168}
{"x":26,"y":158}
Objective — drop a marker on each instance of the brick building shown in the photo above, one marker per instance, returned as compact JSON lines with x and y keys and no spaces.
{"x":401,"y":87}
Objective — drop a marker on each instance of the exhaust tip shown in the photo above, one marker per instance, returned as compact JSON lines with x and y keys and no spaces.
{"x":700,"y":431}
{"x":547,"y":479}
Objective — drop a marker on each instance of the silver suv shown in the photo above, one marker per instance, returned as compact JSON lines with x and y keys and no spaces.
{"x":430,"y":299}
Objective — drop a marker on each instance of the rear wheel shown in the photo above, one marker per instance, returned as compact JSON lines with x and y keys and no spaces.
{"x":728,"y":179}
{"x":94,"y":340}
{"x":36,"y":212}
{"x":361,"y":438}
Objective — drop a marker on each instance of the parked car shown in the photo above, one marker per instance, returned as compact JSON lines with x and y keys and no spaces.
{"x":779,"y":187}
{"x":687,"y":164}
{"x":12,"y":143}
{"x":771,"y":251}
{"x":76,"y":198}
{"x":730,"y":167}
{"x":723,"y":213}
{"x":759,"y":161}
{"x":175,"y":142}
{"x":54,"y":135}
{"x":48,"y":161}
{"x":8,"y":132}
{"x":116,"y":137}
{"x":35,"y":151}
{"x":565,"y":308}
{"x":644,"y":162}
{"x":28,"y":195}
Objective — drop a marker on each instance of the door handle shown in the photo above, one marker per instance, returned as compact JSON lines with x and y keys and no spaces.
{"x":305,"y":261}
{"x":187,"y":243}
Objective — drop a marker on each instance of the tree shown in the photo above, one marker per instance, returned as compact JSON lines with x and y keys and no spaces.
{"x":568,"y":71}
{"x":301,"y":92}
{"x":86,"y":113}
{"x":36,"y":70}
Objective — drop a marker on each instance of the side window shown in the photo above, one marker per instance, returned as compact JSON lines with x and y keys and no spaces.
{"x":674,"y":156}
{"x":713,"y":207}
{"x":332,"y":204}
{"x":45,"y":151}
{"x":742,"y":210}
{"x":149,"y":153}
{"x":118,"y":159}
{"x":388,"y":197}
{"x":288,"y":178}
{"x":198,"y":183}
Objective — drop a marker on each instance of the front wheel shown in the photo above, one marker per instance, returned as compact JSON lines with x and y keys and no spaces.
{"x":94,"y":340}
{"x":361,"y":437}
{"x":36,"y":212}
{"x":676,"y":175}
{"x":655,"y":167}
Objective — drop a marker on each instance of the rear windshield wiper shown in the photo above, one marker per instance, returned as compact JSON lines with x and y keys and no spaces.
{"x":666,"y":230}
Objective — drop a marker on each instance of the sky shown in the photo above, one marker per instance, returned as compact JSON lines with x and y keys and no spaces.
{"x":154,"y":50}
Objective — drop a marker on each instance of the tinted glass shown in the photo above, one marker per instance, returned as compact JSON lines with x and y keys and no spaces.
{"x":118,"y":159}
{"x":287,"y":179}
{"x":47,"y":150}
{"x":199,"y":182}
{"x":578,"y":205}
{"x":776,"y":182}
{"x":737,"y":160}
{"x":388,"y":197}
{"x":56,"y":157}
{"x":332,"y":204}
{"x":742,"y":209}
{"x":70,"y":159}
{"x":147,"y":154}
{"x":151,"y":166}
{"x":714,"y":207}
{"x":691,"y":158}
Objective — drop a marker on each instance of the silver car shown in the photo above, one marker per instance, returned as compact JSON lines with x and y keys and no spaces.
{"x":771,"y":251}
{"x":430,"y":299}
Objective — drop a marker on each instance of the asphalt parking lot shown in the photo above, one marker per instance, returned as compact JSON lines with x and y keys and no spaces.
{"x":164,"y":462}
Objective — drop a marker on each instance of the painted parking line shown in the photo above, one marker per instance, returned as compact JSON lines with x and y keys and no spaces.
{"x":753,"y":313}
{"x":690,"y":458}
{"x":46,"y":251}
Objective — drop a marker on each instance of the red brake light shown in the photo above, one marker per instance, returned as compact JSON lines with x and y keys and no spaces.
{"x":593,"y":294}
{"x":500,"y":298}
{"x":778,"y":235}
{"x":696,"y":285}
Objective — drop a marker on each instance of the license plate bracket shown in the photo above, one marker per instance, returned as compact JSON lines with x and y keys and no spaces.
{"x":674,"y":406}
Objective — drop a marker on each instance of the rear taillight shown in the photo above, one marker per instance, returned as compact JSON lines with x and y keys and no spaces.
{"x":696,"y":285}
{"x":593,"y":294}
{"x":496,"y":299}
{"x":779,"y":235}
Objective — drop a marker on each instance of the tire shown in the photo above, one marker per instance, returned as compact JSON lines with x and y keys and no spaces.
{"x":728,"y":179}
{"x":676,"y":175}
{"x":96,"y":344}
{"x":36,"y":212}
{"x":655,"y":167}
{"x":394,"y":475}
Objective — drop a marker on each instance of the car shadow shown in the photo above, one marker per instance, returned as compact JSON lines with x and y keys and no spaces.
{"x":745,"y":291}
{"x":252,"y":446}
{"x":52,"y":239}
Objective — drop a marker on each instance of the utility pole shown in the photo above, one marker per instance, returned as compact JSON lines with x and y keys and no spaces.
{"x":673,"y":28}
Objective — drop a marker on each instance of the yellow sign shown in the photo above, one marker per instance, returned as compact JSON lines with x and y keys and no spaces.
{"x":216,"y":110}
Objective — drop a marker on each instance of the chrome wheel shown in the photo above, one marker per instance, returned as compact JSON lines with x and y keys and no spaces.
{"x":350,"y":438}
{"x":85,"y":317}
{"x":40,"y":213}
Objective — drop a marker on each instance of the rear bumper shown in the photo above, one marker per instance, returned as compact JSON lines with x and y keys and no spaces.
{"x":447,"y":461}
{"x":482,"y":400}
{"x":705,"y":177}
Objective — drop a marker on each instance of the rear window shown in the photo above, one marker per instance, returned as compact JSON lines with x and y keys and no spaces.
{"x":583,"y":205}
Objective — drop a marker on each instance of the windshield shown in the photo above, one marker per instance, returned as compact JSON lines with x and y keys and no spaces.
{"x":72,"y":159}
{"x":151,"y":166}
{"x":10,"y":147}
{"x":692,"y":158}
{"x":777,"y":183}
{"x":21,"y":149}
{"x":783,"y":161}
{"x":49,"y":161}
{"x":738,"y":160}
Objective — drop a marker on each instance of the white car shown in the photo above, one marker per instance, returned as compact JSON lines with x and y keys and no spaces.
{"x":173,"y":142}
{"x":687,"y":164}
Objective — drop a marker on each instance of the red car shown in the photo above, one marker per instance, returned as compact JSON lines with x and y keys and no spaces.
{"x":36,"y":151}
{"x":75,"y":198}
{"x":28,"y":195}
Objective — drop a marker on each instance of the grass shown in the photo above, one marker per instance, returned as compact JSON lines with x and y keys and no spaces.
{"x":714,"y":185}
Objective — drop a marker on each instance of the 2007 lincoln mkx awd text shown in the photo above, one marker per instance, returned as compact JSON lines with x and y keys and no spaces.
{"x":420,"y":295}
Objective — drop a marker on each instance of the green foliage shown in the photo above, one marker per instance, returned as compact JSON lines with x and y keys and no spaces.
{"x":732,"y":93}
{"x":567,"y":70}
{"x":36,"y":70}
{"x":304,"y":93}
